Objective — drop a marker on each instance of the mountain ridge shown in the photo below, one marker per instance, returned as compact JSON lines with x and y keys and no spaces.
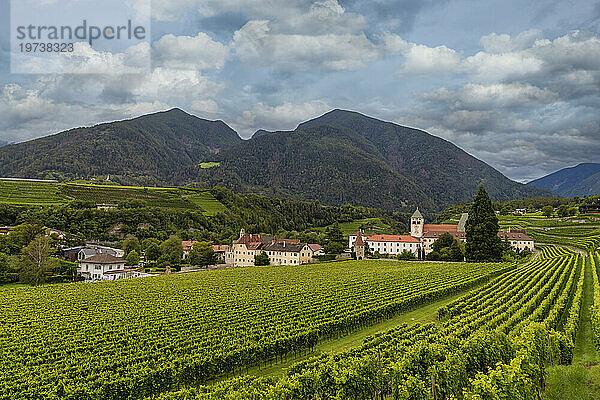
{"x":580,"y":180}
{"x":337,"y":158}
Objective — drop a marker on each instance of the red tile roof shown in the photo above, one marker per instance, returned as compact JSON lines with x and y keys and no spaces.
{"x":219,"y":248}
{"x":392,"y":238}
{"x":359,"y":241}
{"x":514,"y":235}
{"x":315,"y":247}
{"x":437,"y":234}
{"x":187,"y":244}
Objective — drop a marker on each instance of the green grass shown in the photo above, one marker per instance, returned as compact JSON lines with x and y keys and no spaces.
{"x":371,"y":224}
{"x":565,"y":382}
{"x":30,"y":193}
{"x":585,"y":351}
{"x":206,"y":165}
{"x":207,"y":202}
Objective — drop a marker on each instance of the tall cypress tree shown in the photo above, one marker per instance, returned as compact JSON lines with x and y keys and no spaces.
{"x":483,"y":242}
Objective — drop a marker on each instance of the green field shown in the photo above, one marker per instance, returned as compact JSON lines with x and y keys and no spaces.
{"x":207,"y":202}
{"x":144,"y":336}
{"x":206,"y":165}
{"x":43,"y":193}
{"x":368,"y":224}
{"x":30,"y":193}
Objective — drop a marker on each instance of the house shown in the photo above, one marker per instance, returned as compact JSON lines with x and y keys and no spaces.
{"x":518,"y":239}
{"x":279,"y":251}
{"x":429,"y":233}
{"x":4,"y":230}
{"x":285,"y":252}
{"x":71,"y":253}
{"x":103,"y":267}
{"x":106,"y":207}
{"x":187,"y":247}
{"x":92,"y":250}
{"x":220,"y":250}
{"x":59,"y":234}
{"x":244,"y":249}
{"x":317,"y":249}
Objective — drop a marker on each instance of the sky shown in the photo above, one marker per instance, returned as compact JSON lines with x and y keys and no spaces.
{"x":514,"y":83}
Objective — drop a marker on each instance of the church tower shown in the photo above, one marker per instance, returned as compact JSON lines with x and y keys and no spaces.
{"x":416,"y":224}
{"x":359,"y":247}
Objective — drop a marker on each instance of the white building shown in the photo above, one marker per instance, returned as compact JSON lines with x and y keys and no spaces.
{"x":103,"y":267}
{"x":393,"y":244}
{"x":518,"y":239}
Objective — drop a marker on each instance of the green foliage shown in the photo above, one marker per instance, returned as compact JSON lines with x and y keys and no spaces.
{"x":483,"y":243}
{"x":35,"y":262}
{"x":442,"y":242}
{"x":171,"y":250}
{"x":406,"y":255}
{"x":152,"y":249}
{"x":197,"y":328}
{"x":548,"y":211}
{"x":202,"y":254}
{"x":133,"y":258}
{"x":131,"y":243}
{"x":261,"y":259}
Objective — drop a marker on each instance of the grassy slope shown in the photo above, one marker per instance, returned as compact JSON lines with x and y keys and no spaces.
{"x":581,"y":380}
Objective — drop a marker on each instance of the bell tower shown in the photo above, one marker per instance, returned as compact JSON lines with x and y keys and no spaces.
{"x":416,"y":224}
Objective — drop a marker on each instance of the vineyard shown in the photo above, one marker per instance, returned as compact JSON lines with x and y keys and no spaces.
{"x":136,"y":338}
{"x":30,"y":193}
{"x":48,"y":193}
{"x":480,"y":337}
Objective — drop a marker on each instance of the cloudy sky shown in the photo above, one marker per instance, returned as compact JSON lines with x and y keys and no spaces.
{"x":515,"y":83}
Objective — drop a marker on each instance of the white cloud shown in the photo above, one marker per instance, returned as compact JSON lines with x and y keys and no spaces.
{"x":187,"y":52}
{"x":421,"y":60}
{"x":256,"y":44}
{"x":499,"y":95}
{"x":494,"y":43}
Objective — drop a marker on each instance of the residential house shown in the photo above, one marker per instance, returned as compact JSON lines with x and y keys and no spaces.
{"x":92,"y":250}
{"x":4,"y":230}
{"x":187,"y":247}
{"x":317,"y":249}
{"x":279,"y":251}
{"x":103,"y":267}
{"x":286,"y":252}
{"x":518,"y":239}
{"x":220,"y":251}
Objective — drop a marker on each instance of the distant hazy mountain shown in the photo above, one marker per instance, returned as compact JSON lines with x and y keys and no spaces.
{"x":4,"y":143}
{"x":581,"y":180}
{"x":142,"y":150}
{"x":345,"y":156}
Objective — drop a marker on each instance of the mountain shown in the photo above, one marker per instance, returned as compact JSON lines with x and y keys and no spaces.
{"x":345,"y":156}
{"x":144,"y":150}
{"x":260,"y":132}
{"x":4,"y":143}
{"x":580,"y":180}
